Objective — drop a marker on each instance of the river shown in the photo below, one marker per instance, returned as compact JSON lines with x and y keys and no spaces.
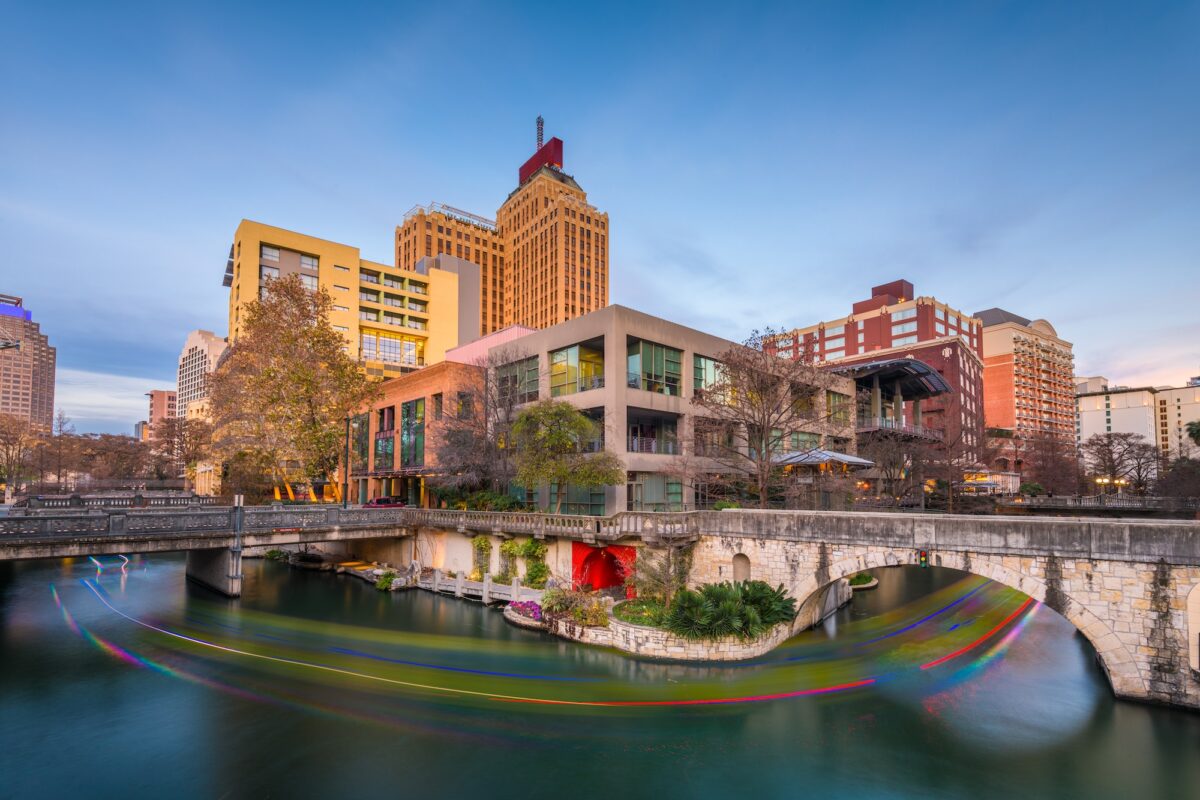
{"x":122,"y":680}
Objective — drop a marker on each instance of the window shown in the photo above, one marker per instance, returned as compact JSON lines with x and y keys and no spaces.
{"x":583,"y":500}
{"x":437,"y":406}
{"x":837,"y":405}
{"x":834,"y":344}
{"x":517,"y":382}
{"x":341,"y":268}
{"x":903,"y":340}
{"x":836,"y":330}
{"x":308,"y":262}
{"x":340,"y":308}
{"x":654,"y":367}
{"x":907,"y":313}
{"x":939,"y":328}
{"x":341,"y":288}
{"x":466,"y":408}
{"x":577,"y":368}
{"x":803,"y":440}
{"x":412,"y":433}
{"x":340,"y":328}
{"x":268,"y":273}
{"x":940,"y":314}
{"x":652,"y":491}
{"x":832,"y":354}
{"x":269,"y":253}
{"x":385,"y":450}
{"x":905,"y":327}
{"x":309,"y":281}
{"x":706,"y":371}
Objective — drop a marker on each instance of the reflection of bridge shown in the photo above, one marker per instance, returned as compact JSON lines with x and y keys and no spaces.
{"x":1130,"y":587}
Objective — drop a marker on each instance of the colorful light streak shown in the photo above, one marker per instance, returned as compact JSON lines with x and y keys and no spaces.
{"x":981,"y":639}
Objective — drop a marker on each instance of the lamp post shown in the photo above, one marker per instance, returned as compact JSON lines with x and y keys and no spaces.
{"x":346,"y":468}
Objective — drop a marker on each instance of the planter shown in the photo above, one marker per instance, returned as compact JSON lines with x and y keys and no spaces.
{"x":648,"y":642}
{"x":522,"y":621}
{"x":567,"y":628}
{"x":874,"y":582}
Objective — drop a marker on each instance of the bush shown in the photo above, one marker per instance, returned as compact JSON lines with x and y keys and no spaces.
{"x":277,"y":555}
{"x":1031,"y":488}
{"x":721,"y":505}
{"x":746,"y":610}
{"x":384,"y":584}
{"x":592,"y":614}
{"x":536,"y":574}
{"x":861,"y":579}
{"x":586,"y":608}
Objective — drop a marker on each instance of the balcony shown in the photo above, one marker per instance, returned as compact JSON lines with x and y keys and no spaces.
{"x":873,"y":424}
{"x":653,"y":445}
{"x":652,"y":432}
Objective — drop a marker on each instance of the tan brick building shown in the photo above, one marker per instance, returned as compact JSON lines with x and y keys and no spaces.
{"x":27,"y":367}
{"x":542,"y":261}
{"x":1028,"y":377}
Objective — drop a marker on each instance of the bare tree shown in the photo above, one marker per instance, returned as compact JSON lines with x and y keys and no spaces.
{"x":1115,"y":455}
{"x":758,"y":406}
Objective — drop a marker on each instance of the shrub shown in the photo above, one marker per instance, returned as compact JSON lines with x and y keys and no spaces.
{"x":861,"y":579}
{"x":747,"y":610}
{"x":591,"y":614}
{"x":536,"y":574}
{"x":586,"y":608}
{"x":721,"y":505}
{"x":277,"y":555}
{"x":384,"y":584}
{"x":640,"y":612}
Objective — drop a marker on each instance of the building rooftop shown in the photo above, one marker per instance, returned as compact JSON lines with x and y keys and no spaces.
{"x":996,"y":316}
{"x":917,"y":379}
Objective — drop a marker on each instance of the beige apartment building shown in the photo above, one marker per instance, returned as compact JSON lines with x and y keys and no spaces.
{"x":543,"y":260}
{"x":1028,"y":376}
{"x":394,"y":320}
{"x":162,"y":405}
{"x":636,"y":375}
{"x":1158,"y":413}
{"x":201,"y":352}
{"x":27,"y":365}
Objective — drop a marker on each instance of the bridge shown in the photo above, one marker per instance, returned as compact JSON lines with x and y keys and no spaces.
{"x":1131,"y":587}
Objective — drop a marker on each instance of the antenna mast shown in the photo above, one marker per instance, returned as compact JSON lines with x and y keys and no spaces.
{"x":540,"y":123}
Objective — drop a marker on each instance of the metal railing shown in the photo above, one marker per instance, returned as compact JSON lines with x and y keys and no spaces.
{"x":868,"y":424}
{"x":650,"y":444}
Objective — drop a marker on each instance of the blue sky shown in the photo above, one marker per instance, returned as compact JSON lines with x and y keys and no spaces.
{"x":760,"y":164}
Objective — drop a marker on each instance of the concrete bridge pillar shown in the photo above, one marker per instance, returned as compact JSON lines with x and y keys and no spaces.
{"x":219,"y":570}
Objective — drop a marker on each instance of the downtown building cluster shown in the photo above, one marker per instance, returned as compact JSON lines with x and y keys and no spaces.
{"x":523,"y":298}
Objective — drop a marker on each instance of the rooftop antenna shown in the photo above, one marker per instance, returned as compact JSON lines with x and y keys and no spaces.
{"x":540,"y":124}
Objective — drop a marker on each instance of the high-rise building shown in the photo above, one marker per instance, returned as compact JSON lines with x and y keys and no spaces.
{"x":1158,"y":413}
{"x":162,"y":406}
{"x":542,"y":261}
{"x":27,"y":363}
{"x":394,"y":320}
{"x":1028,"y":383}
{"x":201,"y":352}
{"x":893,"y":323}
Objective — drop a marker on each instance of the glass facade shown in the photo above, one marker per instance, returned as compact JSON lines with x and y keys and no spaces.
{"x":517,"y":382}
{"x":390,"y":348}
{"x":654,"y":367}
{"x":577,"y":368}
{"x":585,"y":500}
{"x":705,"y":371}
{"x":837,"y":405}
{"x":412,"y":433}
{"x":360,"y":442}
{"x":651,"y":491}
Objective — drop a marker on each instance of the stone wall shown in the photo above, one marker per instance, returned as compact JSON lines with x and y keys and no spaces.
{"x":641,"y":640}
{"x":568,"y":628}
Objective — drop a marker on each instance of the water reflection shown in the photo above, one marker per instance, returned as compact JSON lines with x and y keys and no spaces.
{"x":141,"y":712}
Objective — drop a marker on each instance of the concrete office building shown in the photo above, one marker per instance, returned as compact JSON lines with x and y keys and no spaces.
{"x":162,"y":405}
{"x":636,"y":375}
{"x":27,"y":365}
{"x":1028,"y":383}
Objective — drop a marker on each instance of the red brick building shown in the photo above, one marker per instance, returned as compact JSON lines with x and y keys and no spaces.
{"x":894,"y":323}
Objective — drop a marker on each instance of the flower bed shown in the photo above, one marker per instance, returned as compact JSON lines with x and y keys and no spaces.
{"x":525,"y":614}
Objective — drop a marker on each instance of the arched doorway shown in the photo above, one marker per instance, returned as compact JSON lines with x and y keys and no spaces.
{"x":601,"y":567}
{"x":741,"y":567}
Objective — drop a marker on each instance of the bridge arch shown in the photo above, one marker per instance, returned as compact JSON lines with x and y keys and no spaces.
{"x":1115,"y":658}
{"x":1193,"y":627}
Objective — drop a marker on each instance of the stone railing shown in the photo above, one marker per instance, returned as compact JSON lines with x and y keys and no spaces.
{"x":129,"y":500}
{"x":1114,"y":501}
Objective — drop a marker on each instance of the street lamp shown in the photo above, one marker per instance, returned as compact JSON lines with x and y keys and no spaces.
{"x":1102,"y":484}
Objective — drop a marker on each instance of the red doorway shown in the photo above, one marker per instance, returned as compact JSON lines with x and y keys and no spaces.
{"x":600,"y":567}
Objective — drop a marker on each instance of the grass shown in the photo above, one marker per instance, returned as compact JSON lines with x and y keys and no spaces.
{"x":640,"y":612}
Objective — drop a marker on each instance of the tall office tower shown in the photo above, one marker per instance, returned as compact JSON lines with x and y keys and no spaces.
{"x":27,"y":363}
{"x":394,"y":320}
{"x":543,"y":260}
{"x":162,"y":406}
{"x":201,"y":352}
{"x":1028,"y":377}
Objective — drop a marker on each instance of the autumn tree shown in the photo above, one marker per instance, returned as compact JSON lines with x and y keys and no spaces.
{"x":756,"y":406}
{"x":17,"y":439}
{"x":181,"y":443}
{"x":552,"y":440}
{"x":281,"y":394}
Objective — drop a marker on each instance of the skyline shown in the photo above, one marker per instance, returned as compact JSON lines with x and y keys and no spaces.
{"x":1058,"y":158}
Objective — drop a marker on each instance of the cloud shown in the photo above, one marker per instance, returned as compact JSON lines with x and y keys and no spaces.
{"x":99,"y":402}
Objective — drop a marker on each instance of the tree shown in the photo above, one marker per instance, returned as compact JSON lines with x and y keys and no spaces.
{"x":1117,"y":455}
{"x":1182,"y":479}
{"x":551,"y":439}
{"x":1193,"y":431}
{"x":751,"y":411}
{"x":181,"y":442}
{"x":472,"y":450}
{"x":1054,"y":463}
{"x":17,"y":438}
{"x":281,"y":394}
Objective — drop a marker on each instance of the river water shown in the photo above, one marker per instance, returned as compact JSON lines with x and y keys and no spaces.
{"x":121,"y":680}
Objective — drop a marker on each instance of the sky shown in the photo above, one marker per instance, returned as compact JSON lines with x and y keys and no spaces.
{"x":761,"y":164}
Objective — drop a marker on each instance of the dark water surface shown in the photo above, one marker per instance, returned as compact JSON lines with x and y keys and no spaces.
{"x":128,"y":682}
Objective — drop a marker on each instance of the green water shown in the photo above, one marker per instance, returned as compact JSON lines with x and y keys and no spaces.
{"x":317,"y":685}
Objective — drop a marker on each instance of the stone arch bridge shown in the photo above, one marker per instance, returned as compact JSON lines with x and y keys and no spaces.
{"x":1131,"y":587}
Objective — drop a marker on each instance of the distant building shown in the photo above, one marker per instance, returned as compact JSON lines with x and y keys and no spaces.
{"x":162,"y":406}
{"x":1159,"y":413}
{"x":27,"y":365}
{"x":1028,"y":384}
{"x":894,"y":324}
{"x":141,"y":431}
{"x":543,"y":260}
{"x":201,"y":352}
